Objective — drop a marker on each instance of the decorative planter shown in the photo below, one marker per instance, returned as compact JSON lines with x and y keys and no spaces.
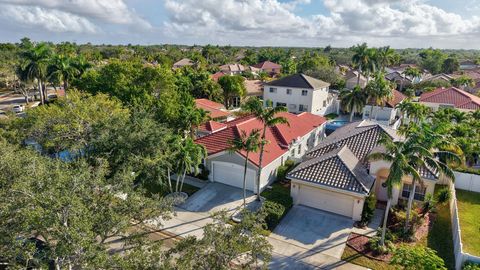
{"x":177,"y":198}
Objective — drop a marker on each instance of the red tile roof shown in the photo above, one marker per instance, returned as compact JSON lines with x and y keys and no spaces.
{"x":212,"y":126}
{"x":279,"y":136}
{"x":397,"y":98}
{"x":217,"y":76}
{"x":267,"y":65}
{"x":458,"y":98}
{"x":215,"y":109}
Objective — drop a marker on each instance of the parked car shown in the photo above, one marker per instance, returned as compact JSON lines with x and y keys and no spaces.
{"x":18,"y":108}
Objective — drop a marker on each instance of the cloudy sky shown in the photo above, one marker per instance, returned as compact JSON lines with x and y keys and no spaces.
{"x":399,"y":23}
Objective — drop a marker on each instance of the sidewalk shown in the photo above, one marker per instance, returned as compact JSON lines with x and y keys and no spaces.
{"x":371,"y":229}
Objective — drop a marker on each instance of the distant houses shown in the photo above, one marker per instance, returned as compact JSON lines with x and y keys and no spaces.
{"x":185,"y":62}
{"x":270,"y":68}
{"x":451,"y":97}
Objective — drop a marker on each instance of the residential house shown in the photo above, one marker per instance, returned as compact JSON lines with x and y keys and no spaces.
{"x":451,"y":97}
{"x":216,"y":111}
{"x":468,"y":64}
{"x":254,"y":88}
{"x":291,"y":141}
{"x":389,"y":114}
{"x":269,"y":67}
{"x":335,"y":176}
{"x":301,"y":93}
{"x":216,"y":76}
{"x":185,"y":62}
{"x":442,"y":77}
{"x":232,"y":69}
{"x":401,"y":80}
{"x":351,"y":79}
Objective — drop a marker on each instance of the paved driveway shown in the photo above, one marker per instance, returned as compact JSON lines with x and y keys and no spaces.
{"x":309,"y":238}
{"x":215,"y":197}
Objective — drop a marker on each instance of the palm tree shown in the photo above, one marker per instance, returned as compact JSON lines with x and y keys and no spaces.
{"x":370,"y":66}
{"x":35,"y":63}
{"x":412,"y":72}
{"x":400,"y":154}
{"x":63,"y":69}
{"x":414,"y":111}
{"x":385,"y":57}
{"x":22,"y":83}
{"x":353,"y":100}
{"x":379,"y":92}
{"x":404,"y":107}
{"x":360,"y":58}
{"x":189,"y":156}
{"x":81,"y":64}
{"x":249,"y":144}
{"x":268,"y":117}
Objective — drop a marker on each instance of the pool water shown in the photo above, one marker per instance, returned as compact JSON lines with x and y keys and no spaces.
{"x":334,"y":125}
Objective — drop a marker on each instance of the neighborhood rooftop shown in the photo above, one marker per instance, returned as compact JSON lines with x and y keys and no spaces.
{"x":299,"y":81}
{"x":454,"y":96}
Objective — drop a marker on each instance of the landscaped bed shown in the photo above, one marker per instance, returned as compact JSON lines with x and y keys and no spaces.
{"x":158,"y":189}
{"x":277,"y":203}
{"x":468,"y":204}
{"x":434,"y":232}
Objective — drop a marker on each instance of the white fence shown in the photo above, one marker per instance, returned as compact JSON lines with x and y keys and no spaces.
{"x":460,"y":256}
{"x":467,"y":181}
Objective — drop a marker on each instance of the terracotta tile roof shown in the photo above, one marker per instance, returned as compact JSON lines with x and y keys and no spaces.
{"x":254,"y":87}
{"x":212,"y":126}
{"x":215,"y":109}
{"x":397,"y":98}
{"x":279,"y":137}
{"x":338,"y":169}
{"x":267,"y":65}
{"x":454,"y":96}
{"x":217,"y":76}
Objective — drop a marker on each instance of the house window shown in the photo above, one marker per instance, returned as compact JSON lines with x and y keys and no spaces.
{"x":289,"y":91}
{"x":281,"y":104}
{"x":324,"y":103}
{"x":302,"y":108}
{"x":292,"y":152}
{"x":236,"y":102}
{"x":304,"y":92}
{"x":419,"y":192}
{"x":273,"y":90}
{"x":292,"y":106}
{"x":299,"y":151}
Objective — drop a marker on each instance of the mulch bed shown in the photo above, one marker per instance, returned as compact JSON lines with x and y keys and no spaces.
{"x":422,"y":230}
{"x":360,"y":244}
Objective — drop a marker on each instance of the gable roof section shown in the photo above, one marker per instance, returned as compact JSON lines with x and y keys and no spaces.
{"x":397,"y":98}
{"x":267,"y":65}
{"x":338,"y":169}
{"x":452,"y":95}
{"x":215,"y":109}
{"x":183,"y":62}
{"x":279,"y":136}
{"x":299,"y":81}
{"x":360,"y":137}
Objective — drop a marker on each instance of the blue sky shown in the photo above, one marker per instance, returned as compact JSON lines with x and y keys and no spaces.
{"x":399,"y":23}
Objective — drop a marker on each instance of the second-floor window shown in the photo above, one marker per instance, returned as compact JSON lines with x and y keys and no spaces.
{"x":289,"y":91}
{"x":299,"y":151}
{"x":304,"y":92}
{"x":281,"y":104}
{"x":273,"y":90}
{"x":302,"y":108}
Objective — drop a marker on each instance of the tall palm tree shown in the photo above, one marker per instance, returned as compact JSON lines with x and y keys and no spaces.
{"x":35,"y":63}
{"x":81,"y":64}
{"x":360,"y":58}
{"x":189,"y":156}
{"x":353,"y":100}
{"x":63,"y":69}
{"x":269,"y":118}
{"x":400,"y":154}
{"x":385,"y":57}
{"x":249,"y":144}
{"x":414,"y":111}
{"x":370,"y":66}
{"x":379,"y":91}
{"x":412,"y":72}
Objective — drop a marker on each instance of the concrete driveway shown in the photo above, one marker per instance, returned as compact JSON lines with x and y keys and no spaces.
{"x":215,"y":197}
{"x":309,"y":238}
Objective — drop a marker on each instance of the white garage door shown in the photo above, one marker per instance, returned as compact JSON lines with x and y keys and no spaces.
{"x":326,"y":200}
{"x":232,"y":175}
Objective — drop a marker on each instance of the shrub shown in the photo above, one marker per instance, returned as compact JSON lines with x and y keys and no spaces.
{"x":377,"y":248}
{"x":274,"y":212}
{"x":204,"y":172}
{"x":471,"y":266}
{"x":444,"y":195}
{"x":428,"y":204}
{"x":284,"y":169}
{"x":417,"y":257}
{"x":368,"y":209}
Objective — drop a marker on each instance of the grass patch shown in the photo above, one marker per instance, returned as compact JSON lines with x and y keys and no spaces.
{"x":468,"y":204}
{"x":277,"y":203}
{"x":440,"y":236}
{"x":352,"y":256}
{"x":331,"y":116}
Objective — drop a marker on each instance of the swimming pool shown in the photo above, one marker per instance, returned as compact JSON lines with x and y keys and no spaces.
{"x":334,"y":125}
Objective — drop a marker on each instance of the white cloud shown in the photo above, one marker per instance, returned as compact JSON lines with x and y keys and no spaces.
{"x":51,"y":20}
{"x":270,"y":21}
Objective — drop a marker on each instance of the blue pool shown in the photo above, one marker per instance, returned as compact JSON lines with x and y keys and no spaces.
{"x":333,"y":125}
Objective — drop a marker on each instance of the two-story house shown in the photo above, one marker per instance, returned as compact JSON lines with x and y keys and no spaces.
{"x":301,"y":93}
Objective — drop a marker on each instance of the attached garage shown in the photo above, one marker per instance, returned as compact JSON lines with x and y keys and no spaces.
{"x":232,"y":174}
{"x":326,"y":200}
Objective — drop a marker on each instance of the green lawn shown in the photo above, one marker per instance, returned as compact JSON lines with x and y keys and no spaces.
{"x":352,"y":256}
{"x":468,"y":204}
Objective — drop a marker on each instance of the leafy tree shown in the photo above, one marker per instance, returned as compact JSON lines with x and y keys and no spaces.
{"x":249,"y":144}
{"x":233,"y":86}
{"x":379,"y":91}
{"x":463,"y":81}
{"x":269,"y":116}
{"x":417,"y":258}
{"x":432,"y":60}
{"x":222,"y":244}
{"x":71,"y":208}
{"x":450,"y":65}
{"x":353,"y":100}
{"x":198,"y":83}
{"x":35,"y":60}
